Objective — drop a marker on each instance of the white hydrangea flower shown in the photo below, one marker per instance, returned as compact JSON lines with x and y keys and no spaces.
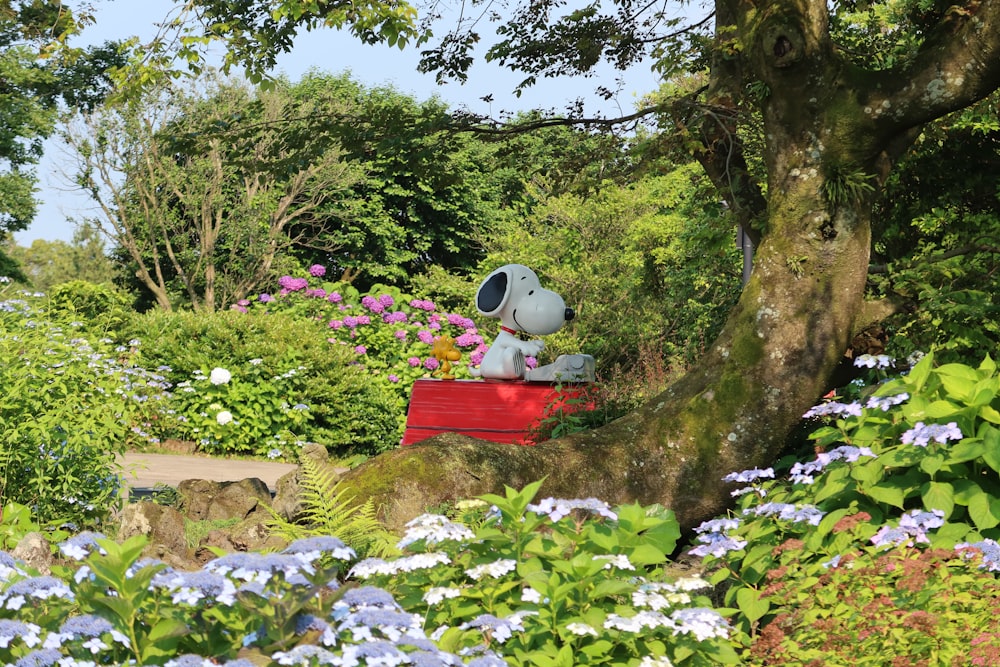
{"x":219,"y":376}
{"x":224,"y":417}
{"x":495,"y":569}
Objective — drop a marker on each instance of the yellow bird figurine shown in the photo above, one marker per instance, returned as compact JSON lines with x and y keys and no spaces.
{"x":444,"y":351}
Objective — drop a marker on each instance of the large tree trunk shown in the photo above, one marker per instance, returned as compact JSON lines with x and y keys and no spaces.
{"x":832,"y":132}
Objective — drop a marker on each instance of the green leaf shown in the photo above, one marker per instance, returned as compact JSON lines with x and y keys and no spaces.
{"x":991,"y":447}
{"x":752,"y":604}
{"x":646,"y":554}
{"x":890,"y":495}
{"x":931,"y":464}
{"x":990,"y":414}
{"x":939,"y":496}
{"x":984,"y":510}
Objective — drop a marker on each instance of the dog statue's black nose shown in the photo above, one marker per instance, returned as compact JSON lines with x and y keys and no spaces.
{"x":569,"y":314}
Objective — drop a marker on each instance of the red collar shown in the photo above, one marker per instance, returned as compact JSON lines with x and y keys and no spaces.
{"x":512,"y":332}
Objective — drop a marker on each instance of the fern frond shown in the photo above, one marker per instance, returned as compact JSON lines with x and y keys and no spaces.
{"x":328,"y":509}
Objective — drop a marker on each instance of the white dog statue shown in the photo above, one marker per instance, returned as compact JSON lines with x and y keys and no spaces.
{"x":514,"y":294}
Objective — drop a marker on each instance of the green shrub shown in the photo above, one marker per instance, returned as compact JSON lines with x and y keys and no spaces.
{"x":286,"y":385}
{"x":901,"y":606}
{"x":66,"y":410}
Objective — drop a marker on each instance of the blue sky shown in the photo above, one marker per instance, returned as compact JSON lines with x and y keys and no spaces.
{"x":333,"y":52}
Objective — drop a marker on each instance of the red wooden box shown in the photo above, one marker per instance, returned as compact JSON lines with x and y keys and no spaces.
{"x":496,"y":410}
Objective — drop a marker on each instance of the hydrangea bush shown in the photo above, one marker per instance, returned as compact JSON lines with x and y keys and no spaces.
{"x":912,"y":464}
{"x":558,"y":582}
{"x":66,"y":407}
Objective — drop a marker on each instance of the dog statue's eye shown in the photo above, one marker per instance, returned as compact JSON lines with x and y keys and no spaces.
{"x":531,"y":292}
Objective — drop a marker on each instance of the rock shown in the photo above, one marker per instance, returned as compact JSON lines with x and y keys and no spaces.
{"x":204,"y":500}
{"x":163,"y":526}
{"x":34,"y":551}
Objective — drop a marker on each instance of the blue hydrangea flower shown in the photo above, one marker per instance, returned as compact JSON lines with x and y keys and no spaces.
{"x":558,"y":508}
{"x":886,"y":402}
{"x":189,"y":660}
{"x":749,"y":476}
{"x":834,"y":408}
{"x":28,"y":633}
{"x":82,"y":545}
{"x":191,"y":588}
{"x":988,"y":550}
{"x":39,"y":588}
{"x":45,"y":657}
{"x":311,"y":549}
{"x":9,"y":566}
{"x":921,"y":434}
{"x":717,"y":544}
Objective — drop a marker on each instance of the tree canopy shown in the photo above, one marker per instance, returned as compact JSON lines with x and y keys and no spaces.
{"x":40,"y":72}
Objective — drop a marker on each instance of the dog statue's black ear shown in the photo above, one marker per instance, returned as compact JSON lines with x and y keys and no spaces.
{"x":492,"y":294}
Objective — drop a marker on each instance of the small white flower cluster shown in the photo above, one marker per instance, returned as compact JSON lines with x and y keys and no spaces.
{"x":559,"y":508}
{"x":874,"y":361}
{"x":663,"y":595}
{"x":433,"y":529}
{"x":493,"y":569}
{"x":371,"y":567}
{"x":619,"y":561}
{"x":219,"y":376}
{"x":701,"y":622}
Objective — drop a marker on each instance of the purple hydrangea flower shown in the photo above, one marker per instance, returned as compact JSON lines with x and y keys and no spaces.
{"x":431,"y":364}
{"x":396,"y":317}
{"x":334,"y":297}
{"x":468,"y":339}
{"x":372,"y":304}
{"x":317,"y":270}
{"x":748,"y":476}
{"x":425,"y":336}
{"x":336,"y":324}
{"x":886,"y":402}
{"x":291,"y":284}
{"x":921,"y":434}
{"x":422,"y":304}
{"x":413,"y":361}
{"x":361,"y":349}
{"x":386,"y":300}
{"x":265,"y":298}
{"x":834,"y":408}
{"x":350,"y":321}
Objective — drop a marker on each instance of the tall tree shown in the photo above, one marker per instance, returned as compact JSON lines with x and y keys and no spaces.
{"x":40,"y":71}
{"x":834,"y":125}
{"x":202,"y":192}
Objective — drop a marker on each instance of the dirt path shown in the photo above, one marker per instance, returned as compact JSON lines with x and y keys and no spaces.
{"x":144,"y":471}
